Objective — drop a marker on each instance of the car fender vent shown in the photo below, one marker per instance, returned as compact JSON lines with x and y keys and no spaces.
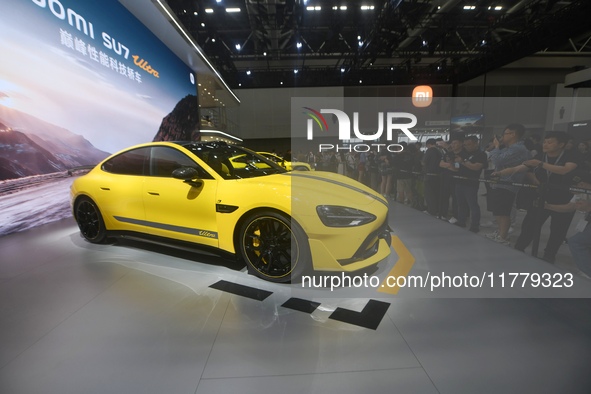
{"x":223,"y":208}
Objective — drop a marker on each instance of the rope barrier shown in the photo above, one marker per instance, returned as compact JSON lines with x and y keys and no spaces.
{"x":497,"y":181}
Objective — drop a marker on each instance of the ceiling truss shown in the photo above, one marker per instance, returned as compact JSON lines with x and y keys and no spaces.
{"x":284,"y":43}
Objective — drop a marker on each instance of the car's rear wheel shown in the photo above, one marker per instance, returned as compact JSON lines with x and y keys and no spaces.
{"x":274,"y":247}
{"x":90,"y":221}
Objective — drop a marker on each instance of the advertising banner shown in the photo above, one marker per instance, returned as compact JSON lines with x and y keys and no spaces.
{"x":80,"y":80}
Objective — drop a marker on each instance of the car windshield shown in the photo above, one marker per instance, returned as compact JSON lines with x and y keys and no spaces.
{"x":234,"y":162}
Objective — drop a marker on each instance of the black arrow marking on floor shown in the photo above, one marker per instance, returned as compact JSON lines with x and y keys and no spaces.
{"x":301,"y":305}
{"x":370,"y":317}
{"x":241,"y":290}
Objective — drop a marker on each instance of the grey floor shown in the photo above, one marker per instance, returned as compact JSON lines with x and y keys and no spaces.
{"x":133,"y":318}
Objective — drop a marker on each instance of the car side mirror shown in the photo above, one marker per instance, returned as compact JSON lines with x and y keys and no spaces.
{"x":189,"y":175}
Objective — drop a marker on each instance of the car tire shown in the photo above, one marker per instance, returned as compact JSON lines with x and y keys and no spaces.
{"x":90,"y":221}
{"x":274,"y":247}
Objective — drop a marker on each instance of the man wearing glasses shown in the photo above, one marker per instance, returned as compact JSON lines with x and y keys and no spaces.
{"x":509,"y":152}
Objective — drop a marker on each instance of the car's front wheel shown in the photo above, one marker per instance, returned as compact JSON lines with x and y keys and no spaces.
{"x":274,"y":247}
{"x":90,"y":221}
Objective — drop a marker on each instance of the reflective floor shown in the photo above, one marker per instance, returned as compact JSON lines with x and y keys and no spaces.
{"x":138,"y":318}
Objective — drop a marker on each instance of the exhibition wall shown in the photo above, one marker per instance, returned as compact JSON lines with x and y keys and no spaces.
{"x":265,"y":113}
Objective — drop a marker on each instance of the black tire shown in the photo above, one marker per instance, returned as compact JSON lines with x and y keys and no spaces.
{"x":274,"y":247}
{"x":90,"y":221}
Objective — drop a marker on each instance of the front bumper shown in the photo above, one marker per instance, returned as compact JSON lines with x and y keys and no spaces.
{"x":374,"y":248}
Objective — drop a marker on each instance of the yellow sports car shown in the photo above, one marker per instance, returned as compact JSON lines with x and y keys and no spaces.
{"x":279,"y":222}
{"x":288,"y":165}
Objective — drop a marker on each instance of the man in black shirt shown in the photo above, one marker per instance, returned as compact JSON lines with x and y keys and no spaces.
{"x":432,"y":181}
{"x":449,"y":171}
{"x":550,"y":167}
{"x":470,"y":164}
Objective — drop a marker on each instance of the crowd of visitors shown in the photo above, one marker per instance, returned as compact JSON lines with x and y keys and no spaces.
{"x":537,"y":174}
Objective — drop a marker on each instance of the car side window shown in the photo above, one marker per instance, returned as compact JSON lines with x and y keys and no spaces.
{"x":132,"y":162}
{"x":164,"y":160}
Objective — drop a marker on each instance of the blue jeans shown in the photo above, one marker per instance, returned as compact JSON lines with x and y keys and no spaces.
{"x":467,"y":197}
{"x":580,"y":248}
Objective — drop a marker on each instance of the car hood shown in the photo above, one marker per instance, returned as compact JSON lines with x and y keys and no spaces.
{"x":320,"y":187}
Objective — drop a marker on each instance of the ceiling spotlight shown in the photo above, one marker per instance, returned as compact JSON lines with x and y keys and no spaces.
{"x":218,"y":1}
{"x":238,"y":47}
{"x":264,"y":53}
{"x":209,"y":10}
{"x":202,"y":24}
{"x":239,"y":84}
{"x":248,"y":72}
{"x":299,"y":45}
{"x":281,"y":82}
{"x":195,"y":13}
{"x":213,"y":40}
{"x":295,"y":71}
{"x":231,"y":10}
{"x":360,"y":81}
{"x":360,"y":43}
{"x":342,"y":69}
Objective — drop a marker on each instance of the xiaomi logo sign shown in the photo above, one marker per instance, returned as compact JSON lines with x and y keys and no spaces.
{"x":422,"y":96}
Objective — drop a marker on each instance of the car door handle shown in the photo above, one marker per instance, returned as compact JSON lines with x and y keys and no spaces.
{"x":154,"y":193}
{"x":105,"y":188}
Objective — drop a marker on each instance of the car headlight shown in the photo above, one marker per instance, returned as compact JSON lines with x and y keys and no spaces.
{"x":336,"y":216}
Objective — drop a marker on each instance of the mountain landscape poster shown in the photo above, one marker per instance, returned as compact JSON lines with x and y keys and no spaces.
{"x":80,"y":80}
